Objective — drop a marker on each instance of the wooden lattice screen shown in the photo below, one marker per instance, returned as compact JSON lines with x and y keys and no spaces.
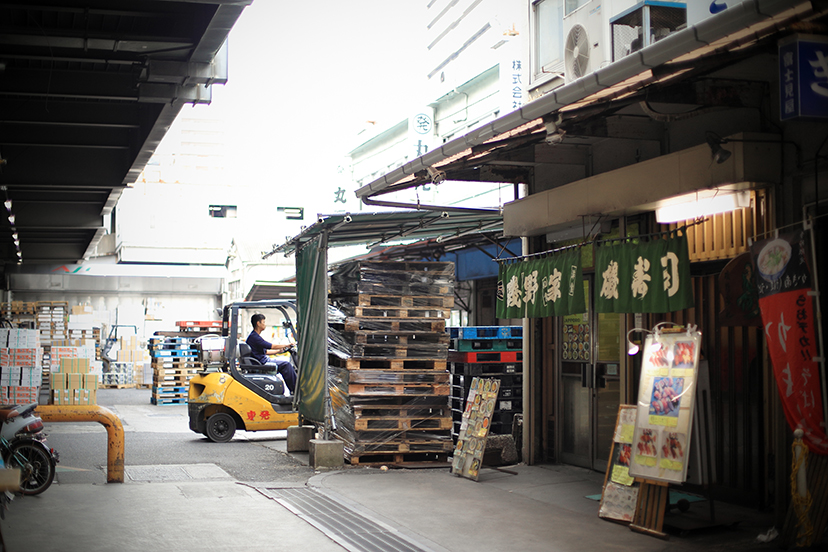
{"x":725,"y":235}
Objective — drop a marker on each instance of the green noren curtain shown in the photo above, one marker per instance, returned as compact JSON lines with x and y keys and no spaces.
{"x":312,"y":294}
{"x":537,"y":288}
{"x":652,"y":276}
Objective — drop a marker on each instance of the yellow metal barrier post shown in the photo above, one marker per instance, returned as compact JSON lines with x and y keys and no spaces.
{"x":105,"y":417}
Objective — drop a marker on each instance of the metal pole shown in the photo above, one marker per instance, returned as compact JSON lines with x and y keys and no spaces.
{"x":809,"y":226}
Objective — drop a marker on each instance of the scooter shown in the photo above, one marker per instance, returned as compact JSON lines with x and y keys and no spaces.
{"x":23,"y":445}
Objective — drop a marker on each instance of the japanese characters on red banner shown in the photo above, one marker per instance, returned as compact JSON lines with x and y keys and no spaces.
{"x":784,"y":283}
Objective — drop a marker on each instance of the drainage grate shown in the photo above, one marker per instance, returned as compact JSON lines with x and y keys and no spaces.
{"x":353,"y":532}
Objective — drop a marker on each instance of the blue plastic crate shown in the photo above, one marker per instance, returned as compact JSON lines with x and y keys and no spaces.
{"x":486,"y":332}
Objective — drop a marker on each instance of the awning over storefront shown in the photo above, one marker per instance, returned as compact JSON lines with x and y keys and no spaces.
{"x":644,"y":186}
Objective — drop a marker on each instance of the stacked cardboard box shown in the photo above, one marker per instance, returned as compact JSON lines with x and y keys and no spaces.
{"x":20,"y":368}
{"x":388,"y":376}
{"x":50,"y":320}
{"x":131,"y":364}
{"x":72,"y":384}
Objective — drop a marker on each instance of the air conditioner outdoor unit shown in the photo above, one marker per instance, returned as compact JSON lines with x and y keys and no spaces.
{"x":645,"y":23}
{"x":584,"y":41}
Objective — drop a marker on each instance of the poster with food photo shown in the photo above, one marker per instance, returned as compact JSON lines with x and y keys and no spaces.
{"x":666,"y":400}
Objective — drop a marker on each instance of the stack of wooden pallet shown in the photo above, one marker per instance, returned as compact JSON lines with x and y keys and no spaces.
{"x":174,"y":363}
{"x":388,"y":374}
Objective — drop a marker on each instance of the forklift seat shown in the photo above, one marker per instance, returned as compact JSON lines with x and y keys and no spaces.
{"x":246,"y":355}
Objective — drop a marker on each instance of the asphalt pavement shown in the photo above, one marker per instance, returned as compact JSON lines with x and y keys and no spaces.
{"x":183,"y":493}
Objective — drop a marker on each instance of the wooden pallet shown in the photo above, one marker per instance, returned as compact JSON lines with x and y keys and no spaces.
{"x":429,"y":288}
{"x":399,"y":459}
{"x":389,"y":364}
{"x":398,"y":339}
{"x":175,"y":371}
{"x":428,"y":351}
{"x":164,"y":401}
{"x":395,"y":312}
{"x":391,"y":325}
{"x":171,"y":381}
{"x":405,"y":301}
{"x":401,"y":410}
{"x":399,"y":389}
{"x":116,"y":386}
{"x":401,"y":423}
{"x":175,"y":363}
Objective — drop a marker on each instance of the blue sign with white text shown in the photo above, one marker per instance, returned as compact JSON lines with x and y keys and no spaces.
{"x":803,"y":77}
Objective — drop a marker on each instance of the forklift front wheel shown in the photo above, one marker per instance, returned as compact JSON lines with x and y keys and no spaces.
{"x":220,"y":427}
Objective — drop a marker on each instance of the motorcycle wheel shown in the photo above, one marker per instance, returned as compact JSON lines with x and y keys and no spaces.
{"x":220,"y":427}
{"x":37,"y":467}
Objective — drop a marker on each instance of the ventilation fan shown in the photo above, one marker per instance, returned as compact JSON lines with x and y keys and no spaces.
{"x":576,"y":56}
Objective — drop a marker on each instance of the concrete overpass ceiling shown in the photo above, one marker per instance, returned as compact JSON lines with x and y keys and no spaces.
{"x":88,"y":88}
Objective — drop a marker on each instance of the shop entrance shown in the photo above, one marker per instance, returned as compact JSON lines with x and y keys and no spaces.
{"x":589,"y":384}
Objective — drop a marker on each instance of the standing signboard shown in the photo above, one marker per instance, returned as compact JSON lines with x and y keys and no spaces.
{"x":620,"y":492}
{"x":666,"y":400}
{"x":474,"y":427}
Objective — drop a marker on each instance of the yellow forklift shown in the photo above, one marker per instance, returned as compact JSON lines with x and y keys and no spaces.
{"x":234,"y":390}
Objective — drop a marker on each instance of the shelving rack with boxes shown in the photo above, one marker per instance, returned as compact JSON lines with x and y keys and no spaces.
{"x":487,"y":352}
{"x":388,"y":376}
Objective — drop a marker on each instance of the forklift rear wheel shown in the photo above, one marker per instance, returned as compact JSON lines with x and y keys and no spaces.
{"x":220,"y":427}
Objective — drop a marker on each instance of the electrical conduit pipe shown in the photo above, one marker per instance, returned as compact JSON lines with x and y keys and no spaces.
{"x":105,"y":417}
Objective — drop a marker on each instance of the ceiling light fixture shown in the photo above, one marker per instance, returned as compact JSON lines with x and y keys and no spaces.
{"x":701,"y":204}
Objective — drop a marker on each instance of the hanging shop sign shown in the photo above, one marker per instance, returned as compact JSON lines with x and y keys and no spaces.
{"x":803,"y":77}
{"x":652,"y":276}
{"x":666,"y":399}
{"x":783,"y":281}
{"x":536,"y":288}
{"x":647,"y":276}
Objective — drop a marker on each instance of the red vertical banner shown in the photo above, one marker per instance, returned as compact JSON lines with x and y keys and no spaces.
{"x":785,"y":301}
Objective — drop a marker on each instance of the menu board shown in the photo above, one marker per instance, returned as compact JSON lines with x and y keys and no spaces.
{"x":577,"y":339}
{"x":620,"y":492}
{"x":664,"y":412}
{"x":474,"y":427}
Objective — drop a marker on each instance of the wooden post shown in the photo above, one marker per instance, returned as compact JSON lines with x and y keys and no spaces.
{"x":650,"y":508}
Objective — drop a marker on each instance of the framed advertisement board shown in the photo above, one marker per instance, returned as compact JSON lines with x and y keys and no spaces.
{"x":620,"y":492}
{"x":664,"y":411}
{"x":474,"y":428}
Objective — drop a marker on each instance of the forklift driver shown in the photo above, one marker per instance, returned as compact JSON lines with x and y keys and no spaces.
{"x":262,"y":348}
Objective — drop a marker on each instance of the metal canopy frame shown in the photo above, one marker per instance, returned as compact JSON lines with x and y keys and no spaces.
{"x":388,"y":228}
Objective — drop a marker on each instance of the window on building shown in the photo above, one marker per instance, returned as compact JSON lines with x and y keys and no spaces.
{"x":223,"y":211}
{"x":572,"y":5}
{"x":292,"y":213}
{"x":548,"y":52}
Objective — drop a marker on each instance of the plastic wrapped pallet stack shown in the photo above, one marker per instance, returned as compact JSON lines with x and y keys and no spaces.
{"x":388,"y":376}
